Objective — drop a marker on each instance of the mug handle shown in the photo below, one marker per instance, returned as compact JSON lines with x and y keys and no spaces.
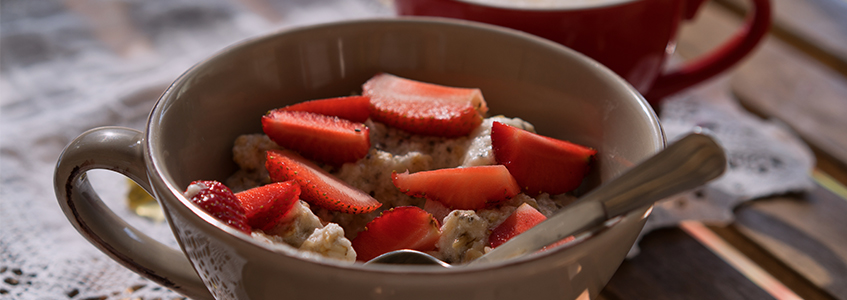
{"x":755,"y":27}
{"x":121,"y":150}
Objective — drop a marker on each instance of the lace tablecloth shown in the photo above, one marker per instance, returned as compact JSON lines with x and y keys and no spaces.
{"x":68,"y":66}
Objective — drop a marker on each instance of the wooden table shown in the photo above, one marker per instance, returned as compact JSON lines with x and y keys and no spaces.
{"x":784,"y":247}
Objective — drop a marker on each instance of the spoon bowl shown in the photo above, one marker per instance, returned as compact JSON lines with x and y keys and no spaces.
{"x":408,"y":257}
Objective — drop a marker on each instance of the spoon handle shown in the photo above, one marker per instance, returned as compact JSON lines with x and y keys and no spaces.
{"x":690,"y":162}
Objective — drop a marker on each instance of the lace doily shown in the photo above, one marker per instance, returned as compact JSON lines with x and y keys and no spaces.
{"x":765,"y":158}
{"x":59,"y":79}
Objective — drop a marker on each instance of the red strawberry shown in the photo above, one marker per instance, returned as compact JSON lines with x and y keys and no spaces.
{"x":317,"y":186}
{"x":438,"y":210}
{"x":219,"y":201}
{"x":353,"y":108}
{"x":323,"y":138}
{"x":521,"y":220}
{"x":563,"y":241}
{"x":540,"y":163}
{"x":460,"y":188}
{"x":424,"y":108}
{"x":404,"y":227}
{"x":266,"y":205}
{"x":524,"y":218}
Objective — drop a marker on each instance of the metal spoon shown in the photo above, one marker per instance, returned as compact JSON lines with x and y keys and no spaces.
{"x":407,"y":257}
{"x":688,"y":163}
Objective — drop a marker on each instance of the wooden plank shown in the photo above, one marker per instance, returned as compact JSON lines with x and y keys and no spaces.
{"x":802,"y":234}
{"x":731,"y":255}
{"x":808,"y":234}
{"x":772,"y":265}
{"x":673,"y":265}
{"x":809,"y":98}
{"x":816,"y":27}
{"x":822,"y":22}
{"x":779,"y":80}
{"x":788,"y":80}
{"x":830,"y":166}
{"x":712,"y":25}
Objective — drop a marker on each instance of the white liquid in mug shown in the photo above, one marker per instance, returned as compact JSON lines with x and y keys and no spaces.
{"x":546,"y":4}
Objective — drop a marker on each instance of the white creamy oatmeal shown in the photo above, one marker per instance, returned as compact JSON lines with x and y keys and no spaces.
{"x":464,"y":234}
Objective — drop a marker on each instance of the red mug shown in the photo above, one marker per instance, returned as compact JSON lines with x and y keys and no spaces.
{"x":634,"y":38}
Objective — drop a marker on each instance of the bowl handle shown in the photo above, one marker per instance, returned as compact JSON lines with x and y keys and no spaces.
{"x":726,"y":55}
{"x":120,"y":150}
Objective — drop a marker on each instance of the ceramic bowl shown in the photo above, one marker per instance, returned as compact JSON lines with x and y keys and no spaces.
{"x":191,"y":129}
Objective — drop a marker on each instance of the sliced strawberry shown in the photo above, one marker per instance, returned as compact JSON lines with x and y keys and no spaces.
{"x":460,"y":188}
{"x":556,"y":244}
{"x":403,"y":227}
{"x":353,"y":108}
{"x":524,"y":218}
{"x":438,"y":210}
{"x":317,"y":186}
{"x":521,"y":220}
{"x":266,"y":205}
{"x":323,"y":138}
{"x":424,"y":108}
{"x":540,"y":163}
{"x":219,"y":201}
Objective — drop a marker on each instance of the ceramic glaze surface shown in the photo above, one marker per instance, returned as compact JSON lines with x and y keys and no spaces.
{"x":563,"y":93}
{"x":633,"y":38}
